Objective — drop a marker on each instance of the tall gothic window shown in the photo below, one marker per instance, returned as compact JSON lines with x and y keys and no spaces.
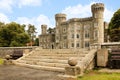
{"x":78,"y":45}
{"x":77,"y":36}
{"x":95,"y":34}
{"x":87,"y":34}
{"x":87,"y":44}
{"x":72,"y":45}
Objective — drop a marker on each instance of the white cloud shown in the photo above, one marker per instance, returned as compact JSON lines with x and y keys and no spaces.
{"x":37,"y":21}
{"x":108,"y":14}
{"x":4,"y":18}
{"x":29,"y":3}
{"x":78,"y":11}
{"x":81,"y":11}
{"x":6,"y":5}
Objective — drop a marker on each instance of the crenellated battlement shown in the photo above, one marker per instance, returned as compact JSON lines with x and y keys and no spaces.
{"x":43,"y":26}
{"x":97,"y":6}
{"x":60,"y":15}
{"x":80,"y":19}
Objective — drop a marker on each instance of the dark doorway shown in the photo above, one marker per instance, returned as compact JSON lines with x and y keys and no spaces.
{"x":52,"y":46}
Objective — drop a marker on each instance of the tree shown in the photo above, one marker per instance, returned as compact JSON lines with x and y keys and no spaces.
{"x":50,"y":30}
{"x":36,"y":42}
{"x":114,"y":27}
{"x":13,"y":34}
{"x":31,"y":31}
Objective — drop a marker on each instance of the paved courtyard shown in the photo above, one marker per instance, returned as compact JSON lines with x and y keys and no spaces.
{"x":12,"y":72}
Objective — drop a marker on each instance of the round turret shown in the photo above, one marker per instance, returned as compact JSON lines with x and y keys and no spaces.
{"x":44,"y":28}
{"x":97,"y":10}
{"x":60,"y":17}
{"x":98,"y":18}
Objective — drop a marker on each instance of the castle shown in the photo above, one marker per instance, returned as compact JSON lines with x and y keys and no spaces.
{"x":76,"y":32}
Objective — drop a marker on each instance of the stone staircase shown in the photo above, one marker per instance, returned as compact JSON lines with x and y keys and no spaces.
{"x":51,"y":59}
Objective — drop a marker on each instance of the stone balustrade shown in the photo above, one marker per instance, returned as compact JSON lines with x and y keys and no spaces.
{"x":9,"y":50}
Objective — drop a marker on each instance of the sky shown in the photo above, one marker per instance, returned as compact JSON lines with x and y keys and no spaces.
{"x":39,"y":12}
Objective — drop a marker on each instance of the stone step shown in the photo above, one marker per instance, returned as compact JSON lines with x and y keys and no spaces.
{"x":56,"y":69}
{"x":62,"y":65}
{"x":60,"y":52}
{"x":51,"y":57}
{"x":61,"y":55}
{"x":48,"y":60}
{"x":52,"y":60}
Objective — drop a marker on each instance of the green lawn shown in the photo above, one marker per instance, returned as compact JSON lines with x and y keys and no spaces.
{"x":100,"y":76}
{"x":1,"y":61}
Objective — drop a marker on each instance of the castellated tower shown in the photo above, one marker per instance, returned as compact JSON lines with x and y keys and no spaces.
{"x":97,"y":14}
{"x":44,"y":29}
{"x":60,"y":18}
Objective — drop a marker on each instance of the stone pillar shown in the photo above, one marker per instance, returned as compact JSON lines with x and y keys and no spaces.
{"x":102,"y":57}
{"x":71,"y":71}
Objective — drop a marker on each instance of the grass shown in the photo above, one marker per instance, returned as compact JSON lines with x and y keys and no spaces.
{"x":1,"y":61}
{"x":94,"y":75}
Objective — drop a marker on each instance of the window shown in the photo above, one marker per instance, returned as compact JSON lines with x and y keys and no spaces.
{"x":87,"y":34}
{"x":64,"y":29}
{"x":95,"y":34}
{"x":78,"y":45}
{"x":87,"y":44}
{"x":64,"y":37}
{"x":77,"y":35}
{"x":72,"y":45}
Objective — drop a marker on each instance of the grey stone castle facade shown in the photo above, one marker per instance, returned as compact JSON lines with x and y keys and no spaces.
{"x":75,"y":32}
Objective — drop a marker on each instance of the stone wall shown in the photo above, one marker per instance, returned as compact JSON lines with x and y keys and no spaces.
{"x":105,"y":45}
{"x":9,"y":50}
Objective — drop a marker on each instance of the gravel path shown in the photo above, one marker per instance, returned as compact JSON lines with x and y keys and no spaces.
{"x":12,"y":72}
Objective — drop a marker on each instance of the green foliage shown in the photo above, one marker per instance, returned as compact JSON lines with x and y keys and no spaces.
{"x":50,"y":30}
{"x":31,"y":31}
{"x":114,"y":27}
{"x":100,"y":76}
{"x":13,"y":34}
{"x":115,"y":35}
{"x":115,"y":21}
{"x":36,"y":42}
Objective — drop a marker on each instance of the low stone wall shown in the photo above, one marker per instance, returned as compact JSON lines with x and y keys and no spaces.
{"x":105,"y":45}
{"x":88,"y":62}
{"x":9,"y":50}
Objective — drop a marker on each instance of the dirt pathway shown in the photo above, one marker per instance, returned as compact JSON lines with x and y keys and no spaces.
{"x":11,"y":72}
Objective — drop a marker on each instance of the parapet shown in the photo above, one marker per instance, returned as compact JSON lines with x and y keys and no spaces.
{"x":43,"y":26}
{"x":80,"y":19}
{"x":97,"y":6}
{"x":60,"y":15}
